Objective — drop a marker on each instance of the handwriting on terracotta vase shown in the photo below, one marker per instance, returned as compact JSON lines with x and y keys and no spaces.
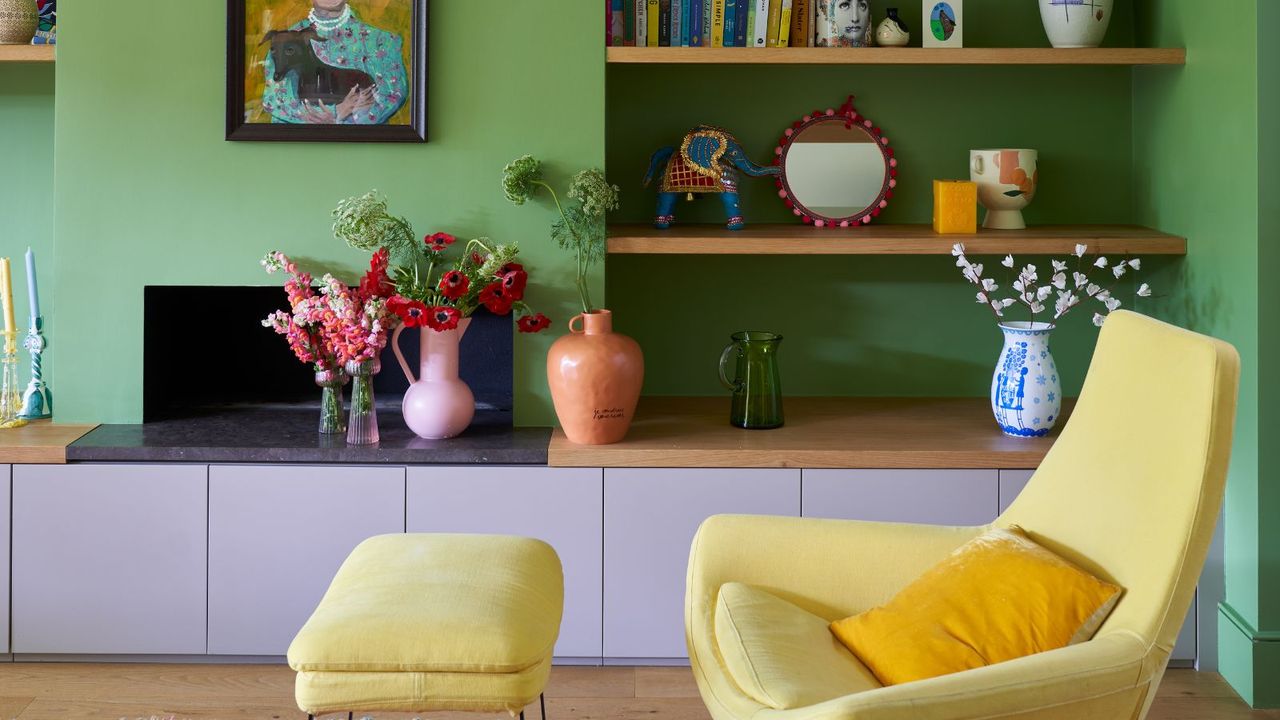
{"x":608,"y":414}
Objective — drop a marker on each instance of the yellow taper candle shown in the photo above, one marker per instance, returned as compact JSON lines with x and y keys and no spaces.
{"x":6,"y":286}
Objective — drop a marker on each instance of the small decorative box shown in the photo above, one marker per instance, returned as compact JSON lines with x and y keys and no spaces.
{"x":943,"y":23}
{"x":955,"y":207}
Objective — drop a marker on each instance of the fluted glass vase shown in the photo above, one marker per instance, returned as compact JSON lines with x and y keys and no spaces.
{"x":362,"y":422}
{"x":332,"y":420}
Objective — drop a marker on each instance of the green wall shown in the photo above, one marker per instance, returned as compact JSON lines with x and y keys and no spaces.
{"x":867,"y":325}
{"x":1197,"y":155}
{"x":26,"y":187}
{"x":150,"y":193}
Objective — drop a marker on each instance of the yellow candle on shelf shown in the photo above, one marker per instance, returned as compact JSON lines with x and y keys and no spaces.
{"x":955,"y":207}
{"x":6,"y":287}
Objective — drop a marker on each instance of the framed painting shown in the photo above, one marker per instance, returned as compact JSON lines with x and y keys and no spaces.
{"x":327,"y":70}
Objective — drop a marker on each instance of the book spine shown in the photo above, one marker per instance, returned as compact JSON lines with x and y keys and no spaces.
{"x":617,"y":24}
{"x":642,"y":23}
{"x":696,"y":16}
{"x":629,"y":22}
{"x":740,"y":32}
{"x":677,"y":21}
{"x":717,"y":23}
{"x":775,"y":11}
{"x":823,"y":32}
{"x":784,"y":24}
{"x":730,"y":12}
{"x":664,"y":23}
{"x":800,"y":23}
{"x":686,"y":23}
{"x":652,"y":13}
{"x":761,"y":25}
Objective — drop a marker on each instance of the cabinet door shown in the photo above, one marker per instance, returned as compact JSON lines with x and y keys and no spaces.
{"x":1011,"y":483}
{"x":561,"y":506}
{"x":650,"y":517}
{"x":934,"y":497}
{"x":277,"y":535}
{"x":5,"y":516}
{"x":109,"y":559}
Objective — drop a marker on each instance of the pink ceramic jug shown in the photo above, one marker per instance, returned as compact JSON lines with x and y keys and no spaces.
{"x":438,"y":404}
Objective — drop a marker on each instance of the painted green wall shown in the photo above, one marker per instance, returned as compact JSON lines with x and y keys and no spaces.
{"x":26,"y":186}
{"x":866,"y":325}
{"x":151,"y":194}
{"x":1197,"y":162}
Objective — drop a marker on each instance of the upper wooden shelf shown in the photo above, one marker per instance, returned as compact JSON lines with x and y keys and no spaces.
{"x":39,"y":443}
{"x":897,"y":56}
{"x":819,"y":433}
{"x":27,"y":53}
{"x":874,"y":239}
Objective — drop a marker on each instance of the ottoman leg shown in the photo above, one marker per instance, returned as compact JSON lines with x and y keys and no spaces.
{"x":542,"y":701}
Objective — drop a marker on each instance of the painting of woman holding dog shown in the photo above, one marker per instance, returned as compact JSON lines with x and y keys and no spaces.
{"x":335,"y":65}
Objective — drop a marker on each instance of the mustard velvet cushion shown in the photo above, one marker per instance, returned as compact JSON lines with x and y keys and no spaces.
{"x":417,"y":622}
{"x":782,"y":655}
{"x":998,"y":597}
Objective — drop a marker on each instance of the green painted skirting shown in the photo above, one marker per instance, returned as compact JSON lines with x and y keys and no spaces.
{"x":1249,"y":658}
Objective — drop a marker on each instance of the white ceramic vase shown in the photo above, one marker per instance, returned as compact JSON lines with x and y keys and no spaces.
{"x":1076,"y":23}
{"x":1026,"y":392}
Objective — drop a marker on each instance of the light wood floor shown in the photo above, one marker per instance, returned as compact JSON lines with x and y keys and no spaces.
{"x":265,"y":692}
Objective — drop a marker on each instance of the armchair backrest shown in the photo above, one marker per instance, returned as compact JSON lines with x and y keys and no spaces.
{"x":1132,"y":488}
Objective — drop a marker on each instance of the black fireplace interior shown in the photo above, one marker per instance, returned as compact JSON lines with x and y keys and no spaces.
{"x":229,"y":360}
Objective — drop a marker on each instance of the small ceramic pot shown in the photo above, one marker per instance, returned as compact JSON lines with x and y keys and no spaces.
{"x":18,"y":21}
{"x":595,"y":376}
{"x":1007,"y":181}
{"x":1076,"y":23}
{"x":892,"y":32}
{"x":1026,"y":393}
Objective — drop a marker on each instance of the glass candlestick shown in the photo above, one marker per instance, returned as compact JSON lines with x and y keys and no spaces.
{"x":10,"y":394}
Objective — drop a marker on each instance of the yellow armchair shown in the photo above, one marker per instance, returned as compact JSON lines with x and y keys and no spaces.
{"x":1130,"y":491}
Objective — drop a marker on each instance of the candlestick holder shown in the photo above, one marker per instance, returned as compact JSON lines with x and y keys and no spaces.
{"x":10,"y":397}
{"x":37,"y":400}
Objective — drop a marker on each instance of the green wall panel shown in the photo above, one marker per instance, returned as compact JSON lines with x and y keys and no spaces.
{"x":152,"y":194}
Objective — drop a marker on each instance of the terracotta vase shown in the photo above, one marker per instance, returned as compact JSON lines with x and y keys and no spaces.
{"x":438,"y":404}
{"x":595,"y":376}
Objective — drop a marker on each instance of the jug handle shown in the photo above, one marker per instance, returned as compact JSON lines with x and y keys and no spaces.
{"x":736,"y":385}
{"x":574,"y":319}
{"x":395,"y":347}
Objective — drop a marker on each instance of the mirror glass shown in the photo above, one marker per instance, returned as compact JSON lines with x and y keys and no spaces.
{"x":833,"y":171}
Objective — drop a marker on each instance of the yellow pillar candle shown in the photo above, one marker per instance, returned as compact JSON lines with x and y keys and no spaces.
{"x":955,"y":207}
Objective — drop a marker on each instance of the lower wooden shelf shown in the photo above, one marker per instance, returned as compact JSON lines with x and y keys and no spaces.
{"x":926,"y":433}
{"x":27,"y":53}
{"x":39,"y":443}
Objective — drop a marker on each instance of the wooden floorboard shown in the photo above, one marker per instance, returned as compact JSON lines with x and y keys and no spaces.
{"x":32,"y":691}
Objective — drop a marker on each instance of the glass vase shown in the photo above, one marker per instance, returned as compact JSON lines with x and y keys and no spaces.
{"x":332,"y":420}
{"x":362,"y":422}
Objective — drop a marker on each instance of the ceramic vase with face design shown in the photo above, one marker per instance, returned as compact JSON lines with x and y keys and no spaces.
{"x":843,"y":23}
{"x":1007,"y":181}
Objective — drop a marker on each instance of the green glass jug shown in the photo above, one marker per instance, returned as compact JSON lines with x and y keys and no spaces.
{"x":757,"y":384}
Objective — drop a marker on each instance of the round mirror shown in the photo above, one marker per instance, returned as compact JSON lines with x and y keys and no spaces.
{"x":837,"y":168}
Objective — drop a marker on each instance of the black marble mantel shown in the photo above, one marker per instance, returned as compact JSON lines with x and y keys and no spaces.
{"x":288,"y":435}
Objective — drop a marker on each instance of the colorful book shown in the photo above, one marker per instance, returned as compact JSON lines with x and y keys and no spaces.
{"x":617,"y":23}
{"x":784,"y":24}
{"x":642,"y":23}
{"x":696,"y":15}
{"x":717,"y":23}
{"x":677,"y":21}
{"x":800,"y":14}
{"x":740,"y":32}
{"x":686,"y":20}
{"x":775,"y":11}
{"x":629,"y":23}
{"x":760,"y":26}
{"x":664,"y":23}
{"x":652,"y":14}
{"x":730,"y":13}
{"x":706,"y":22}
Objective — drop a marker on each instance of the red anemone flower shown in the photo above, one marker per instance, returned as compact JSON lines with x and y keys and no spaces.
{"x":439,"y":241}
{"x":454,"y":284}
{"x":496,"y":298}
{"x":514,"y":282}
{"x":533,"y":323}
{"x":443,"y":317}
{"x":375,"y":282}
{"x":412,"y":312}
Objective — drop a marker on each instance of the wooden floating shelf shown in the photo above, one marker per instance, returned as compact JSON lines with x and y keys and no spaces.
{"x":876,"y":239}
{"x":27,"y":53}
{"x":926,"y":433}
{"x":39,"y":443}
{"x":896,"y":56}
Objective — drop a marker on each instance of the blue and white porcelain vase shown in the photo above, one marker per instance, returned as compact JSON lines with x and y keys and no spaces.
{"x":1026,"y":393}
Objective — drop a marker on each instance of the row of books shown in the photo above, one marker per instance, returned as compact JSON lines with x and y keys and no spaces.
{"x":711,"y":23}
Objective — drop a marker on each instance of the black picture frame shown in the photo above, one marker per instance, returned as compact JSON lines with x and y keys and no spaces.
{"x":239,"y":130}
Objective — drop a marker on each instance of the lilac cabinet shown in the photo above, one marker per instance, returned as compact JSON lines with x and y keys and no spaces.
{"x":1011,"y":483}
{"x":561,"y":506}
{"x":277,"y":535}
{"x":5,"y":515}
{"x":650,"y":517}
{"x":109,"y":559}
{"x":933,"y":497}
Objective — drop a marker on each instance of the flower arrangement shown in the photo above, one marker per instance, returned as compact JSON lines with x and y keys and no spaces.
{"x":1067,"y":291}
{"x":483,"y":274}
{"x":581,"y":227}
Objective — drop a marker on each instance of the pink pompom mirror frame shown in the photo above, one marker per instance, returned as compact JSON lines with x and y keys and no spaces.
{"x":851,"y":117}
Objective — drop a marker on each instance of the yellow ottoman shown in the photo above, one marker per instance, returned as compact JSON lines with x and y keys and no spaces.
{"x":415,"y":623}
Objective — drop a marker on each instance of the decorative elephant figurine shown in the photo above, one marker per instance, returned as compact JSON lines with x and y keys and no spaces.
{"x":708,"y":161}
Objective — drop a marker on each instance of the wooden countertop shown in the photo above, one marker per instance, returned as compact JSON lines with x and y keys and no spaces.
{"x":39,"y":443}
{"x":820,"y":433}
